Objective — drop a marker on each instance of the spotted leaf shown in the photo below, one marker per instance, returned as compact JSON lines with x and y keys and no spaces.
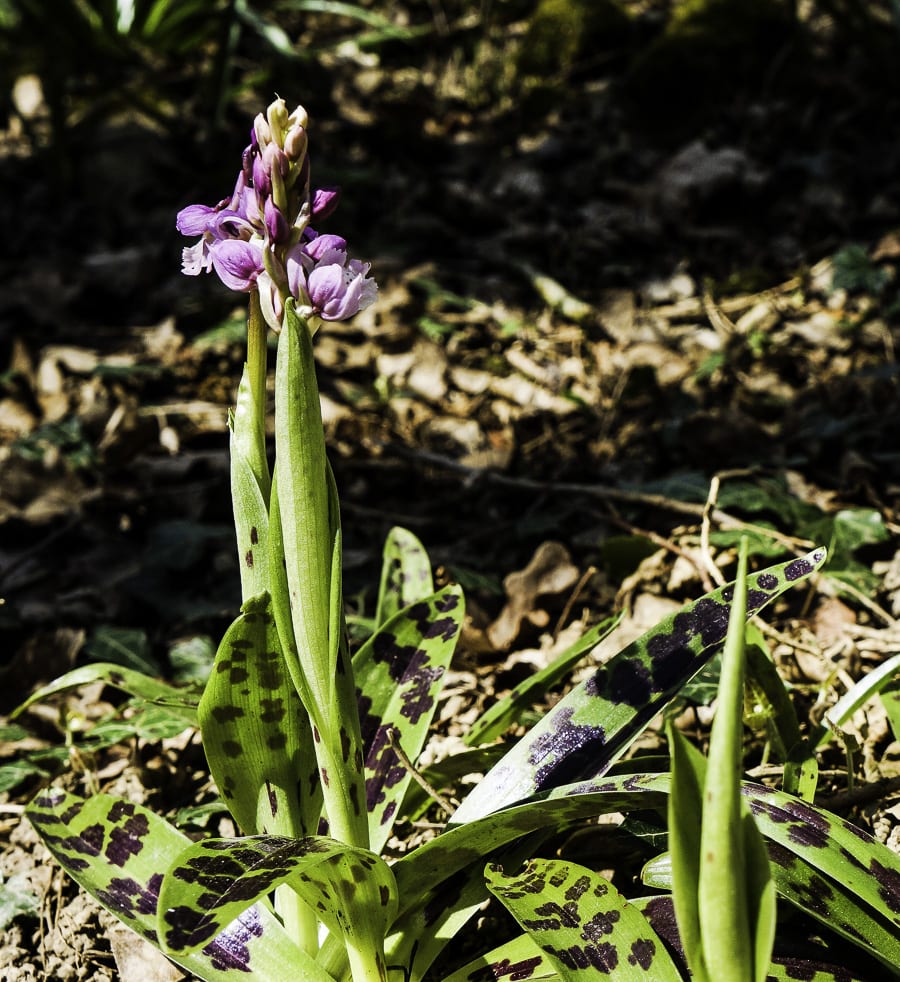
{"x":508,"y":710}
{"x":581,"y":922}
{"x":852,"y":864}
{"x":799,"y":954}
{"x":596,"y":722}
{"x":405,"y":574}
{"x":399,"y":672}
{"x":255,"y":733}
{"x":212,"y":882}
{"x":117,"y":851}
{"x":519,"y":960}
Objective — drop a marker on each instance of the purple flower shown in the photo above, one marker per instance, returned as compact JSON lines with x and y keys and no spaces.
{"x":237,"y":263}
{"x":259,"y":238}
{"x":338,"y":292}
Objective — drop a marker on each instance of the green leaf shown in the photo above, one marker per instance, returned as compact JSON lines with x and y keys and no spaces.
{"x":517,"y":959}
{"x":727,"y":919}
{"x":123,"y":646}
{"x":580,"y":921}
{"x":256,"y":734}
{"x":890,"y":699}
{"x":250,"y":490}
{"x":864,"y":690}
{"x":117,"y":851}
{"x":597,"y":721}
{"x":212,"y":882}
{"x":405,"y":574}
{"x":505,"y":712}
{"x":685,"y":815}
{"x":17,"y":897}
{"x":303,"y":512}
{"x":400,"y":671}
{"x":178,"y":702}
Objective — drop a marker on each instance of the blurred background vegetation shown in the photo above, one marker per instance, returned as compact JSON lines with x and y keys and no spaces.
{"x":117,"y":112}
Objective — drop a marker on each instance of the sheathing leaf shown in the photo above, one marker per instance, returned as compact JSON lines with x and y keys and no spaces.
{"x":118,"y":852}
{"x":399,"y":673}
{"x":405,"y":574}
{"x":582,"y":922}
{"x":250,"y":487}
{"x":256,"y":734}
{"x":352,"y":890}
{"x":588,"y":729}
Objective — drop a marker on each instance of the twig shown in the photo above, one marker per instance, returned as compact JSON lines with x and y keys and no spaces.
{"x":394,"y":740}
{"x":573,"y":596}
{"x":705,"y":551}
{"x":605,"y":491}
{"x":862,"y":794}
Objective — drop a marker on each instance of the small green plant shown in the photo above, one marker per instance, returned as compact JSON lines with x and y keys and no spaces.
{"x":314,"y":748}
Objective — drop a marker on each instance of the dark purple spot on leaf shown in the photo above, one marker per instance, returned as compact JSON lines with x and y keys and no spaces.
{"x":642,"y":952}
{"x":227,"y":714}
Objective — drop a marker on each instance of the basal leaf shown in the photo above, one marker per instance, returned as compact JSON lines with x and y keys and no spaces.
{"x":399,"y":672}
{"x":117,"y":851}
{"x":519,"y":959}
{"x":797,"y":958}
{"x":846,"y":856}
{"x":504,"y":713}
{"x":405,"y":574}
{"x":588,"y":729}
{"x":212,"y":882}
{"x":582,"y":922}
{"x":256,"y":735}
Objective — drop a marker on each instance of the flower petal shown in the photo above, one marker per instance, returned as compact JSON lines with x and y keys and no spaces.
{"x":237,"y":263}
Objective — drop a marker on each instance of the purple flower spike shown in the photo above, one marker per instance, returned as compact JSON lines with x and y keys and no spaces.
{"x":267,"y":217}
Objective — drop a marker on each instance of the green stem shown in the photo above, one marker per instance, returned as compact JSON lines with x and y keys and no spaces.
{"x":298,"y":917}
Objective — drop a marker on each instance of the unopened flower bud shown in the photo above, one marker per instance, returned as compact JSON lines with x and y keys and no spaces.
{"x":278,"y":119}
{"x":261,"y":179}
{"x":262,"y":131}
{"x":276,"y":223}
{"x":295,"y":143}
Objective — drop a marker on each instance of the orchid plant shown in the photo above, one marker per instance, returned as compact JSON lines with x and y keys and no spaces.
{"x":314,"y":748}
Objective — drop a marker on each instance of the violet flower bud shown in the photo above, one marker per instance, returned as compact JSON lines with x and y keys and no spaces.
{"x":324,"y":201}
{"x":276,"y":223}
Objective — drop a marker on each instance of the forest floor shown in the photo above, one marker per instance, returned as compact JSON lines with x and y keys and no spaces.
{"x":597,"y":358}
